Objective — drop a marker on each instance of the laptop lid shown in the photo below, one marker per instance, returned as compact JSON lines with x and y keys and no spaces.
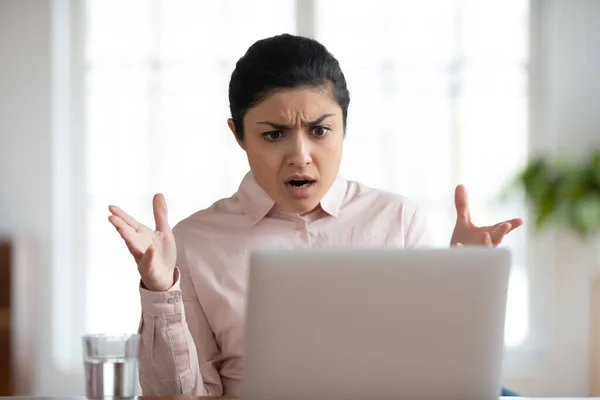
{"x":375,"y":324}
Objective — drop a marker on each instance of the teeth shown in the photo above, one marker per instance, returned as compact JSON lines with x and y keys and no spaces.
{"x":299,"y":183}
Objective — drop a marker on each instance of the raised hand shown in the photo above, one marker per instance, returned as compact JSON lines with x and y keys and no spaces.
{"x":155,"y":252}
{"x":466,"y":233}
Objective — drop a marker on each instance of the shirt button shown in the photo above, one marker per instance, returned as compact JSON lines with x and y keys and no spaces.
{"x":171,"y":301}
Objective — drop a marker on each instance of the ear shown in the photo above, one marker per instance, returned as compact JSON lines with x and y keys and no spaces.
{"x":231,"y":126}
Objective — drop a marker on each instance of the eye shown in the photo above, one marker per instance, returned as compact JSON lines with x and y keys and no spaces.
{"x":272,"y":135}
{"x":320,"y":131}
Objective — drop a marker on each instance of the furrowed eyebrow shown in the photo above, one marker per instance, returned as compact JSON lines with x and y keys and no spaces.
{"x":281,"y":127}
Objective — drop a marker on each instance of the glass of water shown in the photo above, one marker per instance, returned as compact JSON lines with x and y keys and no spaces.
{"x":111,"y":365}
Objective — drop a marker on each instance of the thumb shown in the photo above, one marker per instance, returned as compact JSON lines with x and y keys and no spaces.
{"x":147,"y":256}
{"x":461,"y":202}
{"x":159,"y":206}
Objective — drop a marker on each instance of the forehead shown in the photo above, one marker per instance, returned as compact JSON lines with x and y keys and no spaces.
{"x":307,"y":103}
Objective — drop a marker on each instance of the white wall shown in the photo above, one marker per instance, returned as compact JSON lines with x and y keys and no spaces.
{"x":566,"y":110}
{"x":27,"y":177}
{"x":25,"y":117}
{"x":25,"y":147}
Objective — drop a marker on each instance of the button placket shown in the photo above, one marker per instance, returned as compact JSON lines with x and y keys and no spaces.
{"x":301,"y":224}
{"x":309,"y":239}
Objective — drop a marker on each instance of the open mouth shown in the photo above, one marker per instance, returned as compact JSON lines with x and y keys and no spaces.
{"x":300,"y":183}
{"x":300,"y":186}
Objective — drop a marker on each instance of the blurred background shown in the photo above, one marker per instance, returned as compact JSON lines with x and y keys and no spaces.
{"x":107,"y":102}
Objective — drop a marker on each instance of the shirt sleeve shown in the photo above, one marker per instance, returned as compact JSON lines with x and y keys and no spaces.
{"x":418,"y":233}
{"x":178,"y":353}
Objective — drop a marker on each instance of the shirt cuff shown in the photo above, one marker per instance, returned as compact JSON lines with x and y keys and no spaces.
{"x":162,"y":303}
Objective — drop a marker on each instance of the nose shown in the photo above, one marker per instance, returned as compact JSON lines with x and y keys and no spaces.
{"x":300,"y":151}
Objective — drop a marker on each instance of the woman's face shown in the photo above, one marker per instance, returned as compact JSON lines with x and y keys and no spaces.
{"x":293,"y":140}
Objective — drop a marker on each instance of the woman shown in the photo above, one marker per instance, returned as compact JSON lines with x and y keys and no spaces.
{"x":289,"y":102}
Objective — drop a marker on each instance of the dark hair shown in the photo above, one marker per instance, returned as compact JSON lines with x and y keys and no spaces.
{"x":283,"y":62}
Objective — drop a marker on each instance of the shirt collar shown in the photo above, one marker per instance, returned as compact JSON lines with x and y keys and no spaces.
{"x":256,"y":203}
{"x":333,"y":200}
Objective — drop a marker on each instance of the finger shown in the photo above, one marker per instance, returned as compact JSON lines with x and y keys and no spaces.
{"x":159,"y":206}
{"x":126,"y":231}
{"x":125,"y":217}
{"x":502,"y":228}
{"x":515,"y":223}
{"x":487,"y":239}
{"x":499,"y":232}
{"x":128,"y":234}
{"x":461,"y":201}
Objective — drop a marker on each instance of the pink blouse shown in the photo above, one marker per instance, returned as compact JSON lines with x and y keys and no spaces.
{"x":192,"y":335}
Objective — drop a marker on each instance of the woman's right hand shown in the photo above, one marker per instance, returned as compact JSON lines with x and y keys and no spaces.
{"x":155,"y":252}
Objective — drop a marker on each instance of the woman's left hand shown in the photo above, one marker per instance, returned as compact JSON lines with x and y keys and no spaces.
{"x":468,"y":234}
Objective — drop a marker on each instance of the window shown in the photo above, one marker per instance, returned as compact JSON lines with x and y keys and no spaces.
{"x":156,"y":109}
{"x":439,"y":96}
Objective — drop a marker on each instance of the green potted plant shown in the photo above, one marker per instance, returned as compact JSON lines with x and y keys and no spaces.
{"x":565,"y":195}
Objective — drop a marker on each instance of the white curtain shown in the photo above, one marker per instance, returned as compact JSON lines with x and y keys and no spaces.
{"x":439,"y":97}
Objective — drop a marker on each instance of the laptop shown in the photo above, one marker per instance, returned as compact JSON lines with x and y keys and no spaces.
{"x":350,"y":324}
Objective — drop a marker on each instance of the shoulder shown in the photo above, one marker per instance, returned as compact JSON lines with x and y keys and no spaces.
{"x":218,"y":219}
{"x":397,"y":212}
{"x":380,"y":200}
{"x":207,"y":235}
